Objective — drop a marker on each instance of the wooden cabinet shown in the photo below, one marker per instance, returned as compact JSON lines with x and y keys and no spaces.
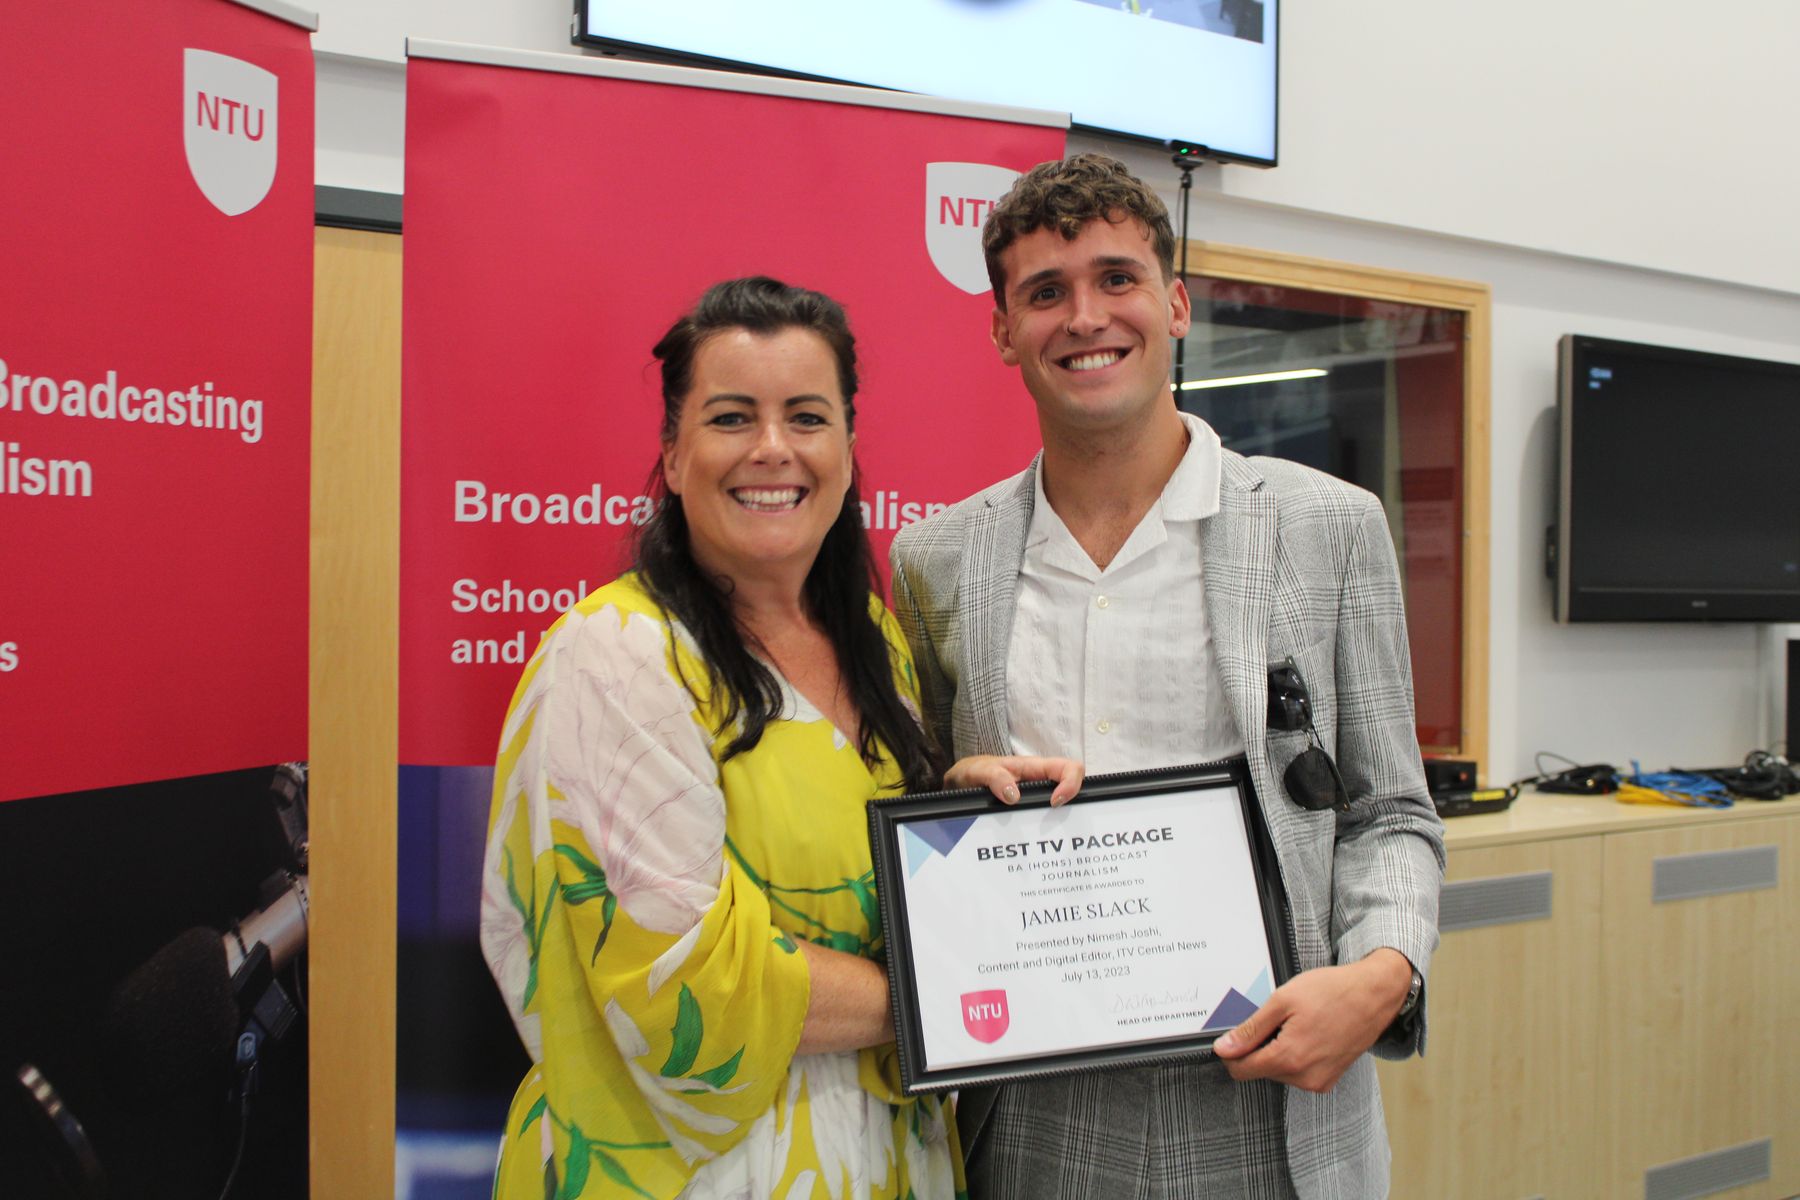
{"x":1614,"y":1009}
{"x":1514,"y":1013}
{"x":1699,"y":992}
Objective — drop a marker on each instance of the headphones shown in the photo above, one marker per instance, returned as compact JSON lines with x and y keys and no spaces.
{"x":1312,"y":779}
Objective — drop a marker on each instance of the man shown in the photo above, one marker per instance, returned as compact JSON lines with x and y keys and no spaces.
{"x":1122,"y":602}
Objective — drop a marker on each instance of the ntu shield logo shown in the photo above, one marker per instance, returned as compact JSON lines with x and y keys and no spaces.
{"x":228,"y":128}
{"x":985,"y":1014}
{"x":958,"y":198}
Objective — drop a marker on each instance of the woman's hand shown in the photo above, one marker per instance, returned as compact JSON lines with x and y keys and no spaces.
{"x":1001,"y":774}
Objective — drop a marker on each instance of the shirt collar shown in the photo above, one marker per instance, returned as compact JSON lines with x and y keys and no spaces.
{"x":1044,"y":520}
{"x":1191,"y":493}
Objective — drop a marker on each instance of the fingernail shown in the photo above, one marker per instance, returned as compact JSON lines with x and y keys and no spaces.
{"x":1012,"y":793}
{"x":1227,"y":1041}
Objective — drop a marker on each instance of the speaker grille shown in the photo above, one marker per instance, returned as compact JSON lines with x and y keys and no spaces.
{"x":1714,"y":873}
{"x":1500,"y":900}
{"x":1704,"y":1174}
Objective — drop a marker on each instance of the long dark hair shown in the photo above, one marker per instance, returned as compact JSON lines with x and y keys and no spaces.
{"x":842,"y":579}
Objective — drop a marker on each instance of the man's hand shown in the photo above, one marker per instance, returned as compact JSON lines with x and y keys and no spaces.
{"x":1326,"y":1018}
{"x":1002,"y":774}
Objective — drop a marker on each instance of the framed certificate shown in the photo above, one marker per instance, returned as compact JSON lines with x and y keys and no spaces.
{"x":1132,"y":925}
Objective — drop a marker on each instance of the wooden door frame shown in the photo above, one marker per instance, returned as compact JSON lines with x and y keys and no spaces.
{"x":1242,"y":264}
{"x":354,"y":711}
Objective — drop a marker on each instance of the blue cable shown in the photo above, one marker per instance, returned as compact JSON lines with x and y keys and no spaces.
{"x":1684,"y":787}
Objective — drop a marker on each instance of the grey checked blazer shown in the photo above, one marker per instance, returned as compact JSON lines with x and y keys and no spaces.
{"x":1295,"y":562}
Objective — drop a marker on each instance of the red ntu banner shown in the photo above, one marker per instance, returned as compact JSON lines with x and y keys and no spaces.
{"x":561,"y":213}
{"x":155,"y":390}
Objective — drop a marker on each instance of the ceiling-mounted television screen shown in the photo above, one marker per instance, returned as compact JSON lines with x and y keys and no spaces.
{"x":1201,"y":72}
{"x":1677,"y":499}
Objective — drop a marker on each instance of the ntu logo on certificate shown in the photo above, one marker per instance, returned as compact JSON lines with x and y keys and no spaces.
{"x":228,"y":128}
{"x":958,"y":198}
{"x":985,"y":1014}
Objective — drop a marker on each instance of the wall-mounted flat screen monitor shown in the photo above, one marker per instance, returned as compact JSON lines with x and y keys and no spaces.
{"x":1679,"y":496}
{"x":1201,"y":72}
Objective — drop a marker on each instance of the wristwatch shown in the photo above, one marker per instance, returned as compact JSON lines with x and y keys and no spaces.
{"x":1414,"y":991}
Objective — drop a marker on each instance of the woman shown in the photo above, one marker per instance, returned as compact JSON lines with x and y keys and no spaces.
{"x":678,"y":904}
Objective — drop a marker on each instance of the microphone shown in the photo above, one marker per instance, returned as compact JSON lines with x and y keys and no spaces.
{"x":281,"y":926}
{"x":177,"y":1017}
{"x":173,"y":1022}
{"x":187,"y":1032}
{"x":167,"y":1037}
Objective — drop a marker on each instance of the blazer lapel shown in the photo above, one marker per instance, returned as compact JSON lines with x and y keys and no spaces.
{"x":1237,"y":551}
{"x":986,"y":594}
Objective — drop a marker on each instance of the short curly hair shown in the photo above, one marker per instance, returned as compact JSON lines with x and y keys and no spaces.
{"x":1065,"y":195}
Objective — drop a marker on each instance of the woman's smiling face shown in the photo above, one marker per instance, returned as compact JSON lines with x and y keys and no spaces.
{"x":761,"y":459}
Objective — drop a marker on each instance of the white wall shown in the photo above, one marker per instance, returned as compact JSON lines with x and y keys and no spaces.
{"x":378,"y":29}
{"x":360,"y":109}
{"x":1461,"y":141}
{"x":1650,"y":132}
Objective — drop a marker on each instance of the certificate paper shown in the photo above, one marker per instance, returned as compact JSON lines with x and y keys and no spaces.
{"x":1132,"y":924}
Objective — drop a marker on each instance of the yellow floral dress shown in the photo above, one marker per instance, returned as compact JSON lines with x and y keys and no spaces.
{"x":641,"y":901}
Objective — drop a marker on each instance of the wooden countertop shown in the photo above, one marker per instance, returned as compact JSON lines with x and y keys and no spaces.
{"x":1539,"y":816}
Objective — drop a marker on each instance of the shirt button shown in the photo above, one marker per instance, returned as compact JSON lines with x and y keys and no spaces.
{"x":1104,"y":726}
{"x":1102,"y":602}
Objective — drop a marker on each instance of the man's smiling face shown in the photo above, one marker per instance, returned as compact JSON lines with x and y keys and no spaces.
{"x":1087,"y":322}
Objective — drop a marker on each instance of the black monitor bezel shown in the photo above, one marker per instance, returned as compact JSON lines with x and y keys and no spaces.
{"x":1575,"y":605}
{"x":579,"y":37}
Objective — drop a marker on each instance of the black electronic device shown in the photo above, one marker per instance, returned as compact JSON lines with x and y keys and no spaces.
{"x":1464,"y":802}
{"x":1793,"y":699}
{"x":1763,"y":776}
{"x":1449,"y":774}
{"x":1580,"y":779}
{"x":1670,"y":507}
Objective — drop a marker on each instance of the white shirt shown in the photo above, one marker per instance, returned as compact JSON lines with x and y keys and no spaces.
{"x":1116,"y":667}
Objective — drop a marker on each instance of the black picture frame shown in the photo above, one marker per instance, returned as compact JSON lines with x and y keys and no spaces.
{"x":887,"y":816}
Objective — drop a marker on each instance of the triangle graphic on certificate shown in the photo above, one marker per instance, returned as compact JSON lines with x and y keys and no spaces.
{"x":943,"y":835}
{"x":1232,"y":1010}
{"x":917,"y":850}
{"x":1259,"y":992}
